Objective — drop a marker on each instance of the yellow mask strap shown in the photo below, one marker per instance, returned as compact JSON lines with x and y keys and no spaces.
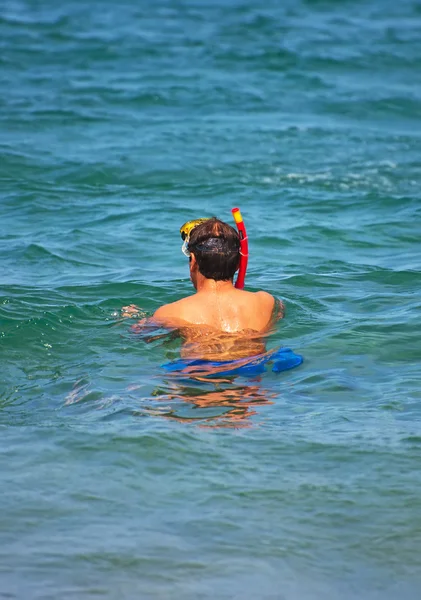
{"x":187,"y":228}
{"x":185,"y":231}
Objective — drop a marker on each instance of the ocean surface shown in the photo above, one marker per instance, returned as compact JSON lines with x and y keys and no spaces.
{"x":119,"y":121}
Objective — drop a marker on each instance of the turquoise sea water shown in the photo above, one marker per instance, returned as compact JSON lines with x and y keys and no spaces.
{"x":119,"y":122}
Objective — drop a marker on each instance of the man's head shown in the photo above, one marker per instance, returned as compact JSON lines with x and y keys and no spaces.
{"x":216,"y":249}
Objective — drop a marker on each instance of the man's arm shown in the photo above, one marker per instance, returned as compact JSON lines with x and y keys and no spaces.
{"x":159,"y":319}
{"x":131,"y":311}
{"x":278,"y":309}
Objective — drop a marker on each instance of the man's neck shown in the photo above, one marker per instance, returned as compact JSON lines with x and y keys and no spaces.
{"x":210,"y":285}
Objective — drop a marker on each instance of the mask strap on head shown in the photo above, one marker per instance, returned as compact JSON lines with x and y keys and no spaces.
{"x":212,"y":244}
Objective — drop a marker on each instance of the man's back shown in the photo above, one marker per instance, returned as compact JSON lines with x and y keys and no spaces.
{"x":222,"y":324}
{"x":221,"y":307}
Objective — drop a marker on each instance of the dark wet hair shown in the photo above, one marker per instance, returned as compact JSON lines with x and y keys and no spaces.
{"x":216,"y":247}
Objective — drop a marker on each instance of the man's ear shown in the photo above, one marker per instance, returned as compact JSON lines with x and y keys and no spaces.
{"x":193,"y":261}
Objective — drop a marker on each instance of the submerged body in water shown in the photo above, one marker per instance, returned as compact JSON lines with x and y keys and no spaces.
{"x":210,"y":342}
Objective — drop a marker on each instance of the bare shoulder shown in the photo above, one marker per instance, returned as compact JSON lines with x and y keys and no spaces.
{"x":275,"y":305}
{"x":265,"y":299}
{"x":172,"y":314}
{"x":163,"y":312}
{"x":264,"y":296}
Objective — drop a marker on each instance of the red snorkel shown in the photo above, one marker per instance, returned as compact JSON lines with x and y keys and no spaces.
{"x":244,"y":248}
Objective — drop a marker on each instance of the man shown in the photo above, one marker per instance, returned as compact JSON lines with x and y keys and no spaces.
{"x":218,"y":321}
{"x":214,"y":249}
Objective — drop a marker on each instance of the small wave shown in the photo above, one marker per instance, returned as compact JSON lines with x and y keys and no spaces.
{"x":35,"y":252}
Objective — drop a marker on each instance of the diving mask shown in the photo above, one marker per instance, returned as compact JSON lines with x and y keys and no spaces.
{"x":185,"y":231}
